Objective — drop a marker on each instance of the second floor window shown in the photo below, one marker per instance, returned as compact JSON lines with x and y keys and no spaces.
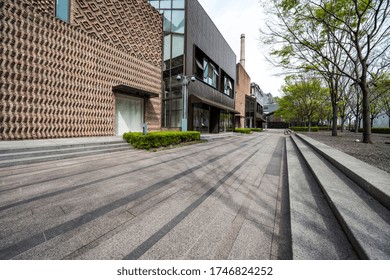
{"x":210,"y":73}
{"x":227,"y":86}
{"x":62,"y":10}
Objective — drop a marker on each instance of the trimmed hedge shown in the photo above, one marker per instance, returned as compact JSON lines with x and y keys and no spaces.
{"x":247,"y":130}
{"x":305,"y":128}
{"x":160,"y":139}
{"x":382,"y":130}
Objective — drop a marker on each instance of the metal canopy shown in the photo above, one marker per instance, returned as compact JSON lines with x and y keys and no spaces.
{"x":134,"y":91}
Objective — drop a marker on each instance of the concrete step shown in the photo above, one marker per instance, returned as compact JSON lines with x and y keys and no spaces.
{"x":365,"y":221}
{"x":57,"y":150}
{"x":315,"y":231}
{"x":368,"y":177}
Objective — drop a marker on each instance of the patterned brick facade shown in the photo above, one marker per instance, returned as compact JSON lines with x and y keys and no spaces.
{"x":57,"y":78}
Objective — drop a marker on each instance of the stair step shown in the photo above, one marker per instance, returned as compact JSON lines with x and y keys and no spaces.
{"x":315,"y":231}
{"x":51,"y":157}
{"x":58,"y":150}
{"x":368,"y":177}
{"x":365,"y":221}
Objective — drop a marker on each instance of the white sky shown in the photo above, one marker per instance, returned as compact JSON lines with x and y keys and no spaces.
{"x":233,"y":18}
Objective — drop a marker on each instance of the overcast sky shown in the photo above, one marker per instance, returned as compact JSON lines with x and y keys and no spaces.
{"x":234,"y":18}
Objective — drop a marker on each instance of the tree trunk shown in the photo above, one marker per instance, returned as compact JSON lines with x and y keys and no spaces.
{"x":309,"y":123}
{"x":334,"y":120}
{"x":366,"y":112}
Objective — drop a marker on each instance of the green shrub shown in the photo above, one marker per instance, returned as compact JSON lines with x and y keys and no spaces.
{"x":243,"y":130}
{"x":383,"y":130}
{"x":160,"y":138}
{"x":256,"y":129}
{"x":305,"y":128}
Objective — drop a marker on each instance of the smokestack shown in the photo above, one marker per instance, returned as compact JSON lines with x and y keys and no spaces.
{"x":242,"y":55}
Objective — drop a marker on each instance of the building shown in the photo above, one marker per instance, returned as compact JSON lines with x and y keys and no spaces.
{"x":73,"y":68}
{"x":194,"y":47}
{"x":249,"y":97}
{"x":259,"y":95}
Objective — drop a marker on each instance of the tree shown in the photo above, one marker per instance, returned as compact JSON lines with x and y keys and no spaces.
{"x":330,"y":34}
{"x":303,"y":97}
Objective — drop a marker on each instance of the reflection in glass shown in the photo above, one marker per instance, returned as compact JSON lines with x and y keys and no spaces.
{"x":201,"y":118}
{"x":165,"y":4}
{"x":178,"y":21}
{"x":167,"y":48}
{"x":62,"y":10}
{"x":178,"y":4}
{"x":177,"y":45}
{"x":167,"y":21}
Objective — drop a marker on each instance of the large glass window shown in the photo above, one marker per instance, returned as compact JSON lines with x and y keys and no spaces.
{"x":167,"y":20}
{"x":201,"y":119}
{"x":165,"y":4}
{"x":155,"y":3}
{"x":178,"y":21}
{"x":62,"y":10}
{"x":178,"y":4}
{"x":177,"y":45}
{"x":174,"y":28}
{"x":225,"y":121}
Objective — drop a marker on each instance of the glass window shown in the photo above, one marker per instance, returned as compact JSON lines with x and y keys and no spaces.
{"x":165,"y":4}
{"x":167,"y":48}
{"x":177,"y":45}
{"x":178,"y":4}
{"x":210,"y":73}
{"x":175,"y":112}
{"x":178,"y":21}
{"x":228,"y":86}
{"x":154,"y":3}
{"x":62,"y":10}
{"x":167,"y":21}
{"x":201,"y":118}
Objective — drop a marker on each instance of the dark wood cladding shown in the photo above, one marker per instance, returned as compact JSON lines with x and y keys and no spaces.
{"x":202,"y":32}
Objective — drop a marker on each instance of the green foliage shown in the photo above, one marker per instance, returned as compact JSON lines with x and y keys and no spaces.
{"x":303,"y":99}
{"x":305,"y":128}
{"x":247,"y":130}
{"x":160,"y":139}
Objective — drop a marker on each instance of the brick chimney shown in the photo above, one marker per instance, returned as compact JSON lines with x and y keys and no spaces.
{"x":242,"y":54}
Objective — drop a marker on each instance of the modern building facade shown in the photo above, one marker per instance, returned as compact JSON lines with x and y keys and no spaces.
{"x":74,"y":68}
{"x":258,"y":94}
{"x":193,"y":46}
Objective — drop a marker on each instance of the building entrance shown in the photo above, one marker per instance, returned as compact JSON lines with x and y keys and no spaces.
{"x":129,"y":114}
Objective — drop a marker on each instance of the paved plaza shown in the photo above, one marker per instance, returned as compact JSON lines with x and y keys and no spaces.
{"x":223,"y":199}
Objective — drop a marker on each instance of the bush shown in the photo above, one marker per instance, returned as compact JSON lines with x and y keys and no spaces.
{"x":160,"y":139}
{"x":305,"y":128}
{"x":381,"y":130}
{"x":247,"y":130}
{"x":243,"y":130}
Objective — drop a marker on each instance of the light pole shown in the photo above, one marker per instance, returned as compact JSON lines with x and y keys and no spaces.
{"x":185,"y":82}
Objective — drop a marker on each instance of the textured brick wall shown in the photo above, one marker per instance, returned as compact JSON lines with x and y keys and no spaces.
{"x":56,"y":80}
{"x":243,"y":88}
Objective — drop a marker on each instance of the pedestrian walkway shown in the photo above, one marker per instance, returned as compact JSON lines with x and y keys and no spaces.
{"x":223,"y":199}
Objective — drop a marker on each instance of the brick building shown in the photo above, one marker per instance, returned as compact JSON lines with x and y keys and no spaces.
{"x":75,"y":68}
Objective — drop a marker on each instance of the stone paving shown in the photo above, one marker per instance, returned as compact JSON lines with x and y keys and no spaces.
{"x":224,"y":199}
